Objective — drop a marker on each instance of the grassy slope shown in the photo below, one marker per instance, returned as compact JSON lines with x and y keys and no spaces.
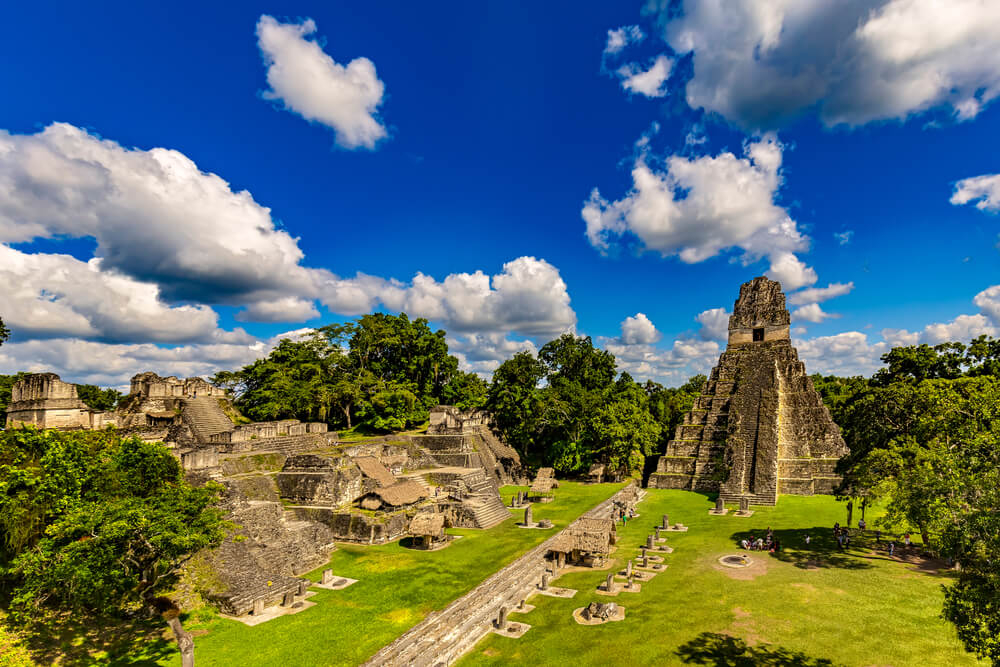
{"x":397,"y":587}
{"x":809,"y":606}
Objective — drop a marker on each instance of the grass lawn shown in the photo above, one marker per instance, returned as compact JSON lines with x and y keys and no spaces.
{"x":810,"y":606}
{"x":397,"y":588}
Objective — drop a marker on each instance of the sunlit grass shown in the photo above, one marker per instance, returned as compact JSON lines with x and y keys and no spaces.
{"x":812,"y":603}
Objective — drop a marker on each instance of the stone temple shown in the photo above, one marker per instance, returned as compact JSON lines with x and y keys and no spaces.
{"x":759,"y":427}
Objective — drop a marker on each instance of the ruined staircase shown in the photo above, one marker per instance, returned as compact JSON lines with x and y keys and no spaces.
{"x":205,"y":417}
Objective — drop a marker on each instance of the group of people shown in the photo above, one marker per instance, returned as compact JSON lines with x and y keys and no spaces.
{"x":768,"y":543}
{"x":842,"y":535}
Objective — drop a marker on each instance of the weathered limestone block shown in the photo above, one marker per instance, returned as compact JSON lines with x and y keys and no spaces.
{"x":320,"y":480}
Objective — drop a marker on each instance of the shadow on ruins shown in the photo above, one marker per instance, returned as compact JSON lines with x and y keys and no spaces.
{"x":712,"y":648}
{"x":821,"y":553}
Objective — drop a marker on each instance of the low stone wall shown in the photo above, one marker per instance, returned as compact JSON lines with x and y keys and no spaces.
{"x":359,"y":528}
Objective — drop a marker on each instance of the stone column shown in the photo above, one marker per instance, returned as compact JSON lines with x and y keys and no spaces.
{"x":744,"y":505}
{"x":609,"y":583}
{"x":657,"y":532}
{"x":666,"y":522}
{"x":327,"y":577}
{"x":545,"y":581}
{"x":303,"y":586}
{"x":258,"y":606}
{"x":649,"y":542}
{"x":502,"y":618}
{"x":561,"y":560}
{"x":288,"y":599}
{"x":520,"y":605}
{"x":720,"y":506}
{"x":628,"y":569}
{"x":527,"y":516}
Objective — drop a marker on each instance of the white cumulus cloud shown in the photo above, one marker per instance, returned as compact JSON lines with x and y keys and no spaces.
{"x":309,"y":82}
{"x":820,"y":294}
{"x":714,"y":324}
{"x":619,"y":38}
{"x":760,"y":63}
{"x":638,"y":330}
{"x":811,"y":313}
{"x":984,"y":190}
{"x":649,"y":81}
{"x":699,"y":207}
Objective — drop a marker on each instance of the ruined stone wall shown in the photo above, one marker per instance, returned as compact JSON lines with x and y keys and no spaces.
{"x":320,"y":480}
{"x":45,"y":401}
{"x":348,"y":526}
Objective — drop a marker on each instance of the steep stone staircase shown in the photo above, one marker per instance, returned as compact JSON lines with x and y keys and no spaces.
{"x":205,"y":417}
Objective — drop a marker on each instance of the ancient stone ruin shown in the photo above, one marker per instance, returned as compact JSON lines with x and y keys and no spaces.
{"x":45,"y":401}
{"x":759,"y":428}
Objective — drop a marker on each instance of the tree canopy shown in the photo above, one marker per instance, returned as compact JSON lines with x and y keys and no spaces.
{"x":924,"y":437}
{"x":381,"y":371}
{"x":91,"y":522}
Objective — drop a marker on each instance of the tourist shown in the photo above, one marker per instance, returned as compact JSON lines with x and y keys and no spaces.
{"x":906,"y":539}
{"x":892,"y":548}
{"x":878,"y":537}
{"x":746,"y":544}
{"x":808,"y":539}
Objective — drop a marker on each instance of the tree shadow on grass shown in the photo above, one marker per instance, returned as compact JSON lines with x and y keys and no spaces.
{"x":822,"y":552}
{"x":98,"y":641}
{"x":712,"y":648}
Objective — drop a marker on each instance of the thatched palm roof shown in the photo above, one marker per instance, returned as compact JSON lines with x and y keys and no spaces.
{"x":401,"y":493}
{"x":591,"y":542}
{"x":427,"y":523}
{"x":542,"y":485}
{"x":371,"y":467}
{"x":595,"y":525}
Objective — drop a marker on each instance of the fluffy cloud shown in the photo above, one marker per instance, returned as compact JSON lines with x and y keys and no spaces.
{"x":714,"y":324}
{"x":621,"y":37}
{"x":812,"y":313}
{"x":283,"y":309}
{"x":638,"y":330}
{"x":962,"y":328}
{"x":155,"y":216}
{"x":671,"y":366}
{"x":168,"y":232}
{"x":483,"y":353}
{"x":114,"y":364}
{"x":820,"y":294}
{"x":650,"y":81}
{"x":528,"y":297}
{"x":310,"y":83}
{"x":49,"y":295}
{"x":761,"y":62}
{"x":847,"y":353}
{"x":984,"y":190}
{"x":700,"y":207}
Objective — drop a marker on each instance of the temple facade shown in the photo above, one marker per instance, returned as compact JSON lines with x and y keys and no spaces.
{"x":759,"y":427}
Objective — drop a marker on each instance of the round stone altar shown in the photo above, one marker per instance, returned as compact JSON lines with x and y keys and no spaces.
{"x":737,"y":561}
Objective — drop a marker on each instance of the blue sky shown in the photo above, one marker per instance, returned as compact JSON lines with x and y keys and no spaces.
{"x":181,"y":185}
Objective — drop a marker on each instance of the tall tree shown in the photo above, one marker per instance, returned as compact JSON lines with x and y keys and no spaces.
{"x":4,"y":333}
{"x":93,"y":523}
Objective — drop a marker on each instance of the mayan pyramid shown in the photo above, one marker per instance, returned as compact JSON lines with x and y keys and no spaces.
{"x":759,"y":427}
